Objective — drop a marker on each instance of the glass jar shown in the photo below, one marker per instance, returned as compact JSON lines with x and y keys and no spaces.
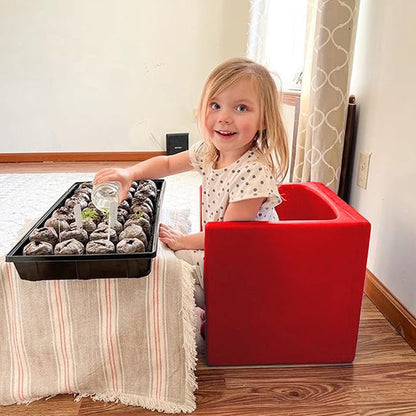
{"x":105,"y":194}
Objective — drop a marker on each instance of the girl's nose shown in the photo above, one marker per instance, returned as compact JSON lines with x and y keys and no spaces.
{"x":225,"y":117}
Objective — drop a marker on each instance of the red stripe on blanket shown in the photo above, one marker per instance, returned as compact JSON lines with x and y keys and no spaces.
{"x":109,"y":334}
{"x":14,"y":314}
{"x":156,"y":302}
{"x":62,"y":336}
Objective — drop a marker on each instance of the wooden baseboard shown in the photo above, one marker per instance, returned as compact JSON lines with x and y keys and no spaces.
{"x":393,"y":310}
{"x":77,"y":157}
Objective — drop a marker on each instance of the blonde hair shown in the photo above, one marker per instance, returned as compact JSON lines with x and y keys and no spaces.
{"x":271,"y":140}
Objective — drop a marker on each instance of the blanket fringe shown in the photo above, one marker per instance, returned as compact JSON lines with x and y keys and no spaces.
{"x":189,"y":322}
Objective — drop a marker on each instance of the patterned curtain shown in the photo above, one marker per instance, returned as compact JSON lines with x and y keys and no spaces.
{"x":329,"y":48}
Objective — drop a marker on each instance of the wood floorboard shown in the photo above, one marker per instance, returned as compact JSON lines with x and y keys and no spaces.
{"x":61,"y":405}
{"x":381,"y":381}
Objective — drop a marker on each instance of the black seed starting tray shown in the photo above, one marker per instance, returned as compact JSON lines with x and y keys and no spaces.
{"x":86,"y":266}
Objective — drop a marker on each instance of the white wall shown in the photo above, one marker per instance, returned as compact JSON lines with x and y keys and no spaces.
{"x":101,"y":75}
{"x":384,"y":82}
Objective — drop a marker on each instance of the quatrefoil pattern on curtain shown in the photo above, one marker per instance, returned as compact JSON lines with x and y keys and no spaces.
{"x":330,"y":37}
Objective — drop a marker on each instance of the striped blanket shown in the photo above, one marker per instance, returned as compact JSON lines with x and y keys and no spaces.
{"x":125,"y":340}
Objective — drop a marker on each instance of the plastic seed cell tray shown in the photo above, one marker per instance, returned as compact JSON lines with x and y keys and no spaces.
{"x":86,"y":266}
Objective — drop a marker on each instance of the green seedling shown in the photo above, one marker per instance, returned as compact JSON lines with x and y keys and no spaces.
{"x":89,"y":213}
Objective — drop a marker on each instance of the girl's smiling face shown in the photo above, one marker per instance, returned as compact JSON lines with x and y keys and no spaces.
{"x":233,"y":119}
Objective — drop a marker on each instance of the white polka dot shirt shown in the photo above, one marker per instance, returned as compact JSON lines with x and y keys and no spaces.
{"x":248,"y":177}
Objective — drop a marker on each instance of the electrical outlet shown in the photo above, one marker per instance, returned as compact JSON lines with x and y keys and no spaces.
{"x":363,"y":167}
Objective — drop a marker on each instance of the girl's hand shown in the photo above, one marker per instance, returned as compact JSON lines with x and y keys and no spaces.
{"x":174,"y":239}
{"x":115,"y":174}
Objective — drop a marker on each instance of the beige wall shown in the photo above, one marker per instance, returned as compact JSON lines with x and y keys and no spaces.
{"x":384,"y":83}
{"x":105,"y":75}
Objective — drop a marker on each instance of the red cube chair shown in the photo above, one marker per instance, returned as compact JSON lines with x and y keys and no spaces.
{"x":287,"y":292}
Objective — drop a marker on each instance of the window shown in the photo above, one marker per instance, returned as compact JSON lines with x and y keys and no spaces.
{"x":277,"y":38}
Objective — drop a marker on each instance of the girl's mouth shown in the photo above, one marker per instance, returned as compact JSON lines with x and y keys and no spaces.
{"x":225,"y":133}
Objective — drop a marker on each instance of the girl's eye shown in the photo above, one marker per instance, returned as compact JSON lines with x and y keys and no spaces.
{"x":215,"y":106}
{"x":241,"y":108}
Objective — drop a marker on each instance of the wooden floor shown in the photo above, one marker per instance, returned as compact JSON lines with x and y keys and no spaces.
{"x":381,"y":381}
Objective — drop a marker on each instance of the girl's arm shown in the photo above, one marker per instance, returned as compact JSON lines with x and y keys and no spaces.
{"x":245,"y":210}
{"x":160,"y":166}
{"x":155,"y":167}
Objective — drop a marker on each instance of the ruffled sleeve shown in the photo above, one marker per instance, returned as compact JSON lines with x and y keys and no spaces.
{"x":196,"y":156}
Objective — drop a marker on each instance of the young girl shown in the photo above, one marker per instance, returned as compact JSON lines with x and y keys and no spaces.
{"x":242,"y":157}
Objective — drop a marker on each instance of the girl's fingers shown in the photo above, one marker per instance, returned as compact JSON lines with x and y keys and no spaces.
{"x":112,"y":174}
{"x":165,"y":229}
{"x":170,"y":236}
{"x":103,"y":173}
